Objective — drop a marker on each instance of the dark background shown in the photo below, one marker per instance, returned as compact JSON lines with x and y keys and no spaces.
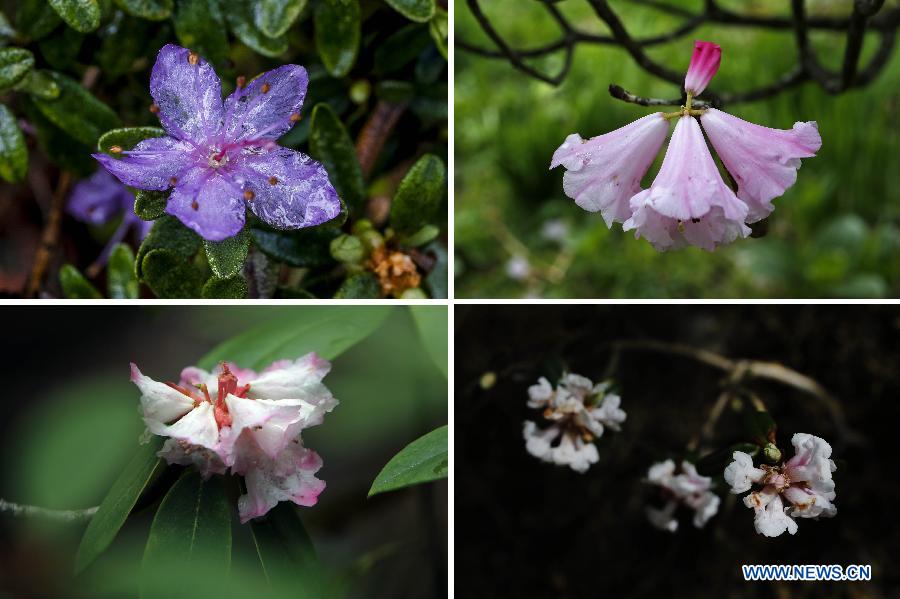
{"x":529,"y":529}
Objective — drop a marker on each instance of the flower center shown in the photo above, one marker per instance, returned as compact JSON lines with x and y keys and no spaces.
{"x":228,"y":385}
{"x":218,"y":157}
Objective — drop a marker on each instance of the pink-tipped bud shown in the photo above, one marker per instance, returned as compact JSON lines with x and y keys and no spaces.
{"x":704,"y":64}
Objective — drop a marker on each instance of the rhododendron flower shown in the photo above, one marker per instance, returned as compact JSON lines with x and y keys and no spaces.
{"x":802,"y":487}
{"x":220,"y":158}
{"x":578,"y":411}
{"x":234,"y":418}
{"x":685,"y":488}
{"x":688,"y":202}
{"x":100,"y":199}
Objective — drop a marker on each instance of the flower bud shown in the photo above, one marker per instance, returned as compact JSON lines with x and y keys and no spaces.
{"x":360,"y":91}
{"x":361,"y":225}
{"x":371,"y":239}
{"x":347,"y":248}
{"x":772,"y":453}
{"x":413,"y":293}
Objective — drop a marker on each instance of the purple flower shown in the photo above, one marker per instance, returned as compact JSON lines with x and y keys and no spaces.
{"x":100,"y":199}
{"x":218,"y":157}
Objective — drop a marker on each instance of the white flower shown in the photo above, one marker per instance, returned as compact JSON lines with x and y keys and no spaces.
{"x":687,"y":488}
{"x":518,"y":268}
{"x":555,"y":230}
{"x":804,"y":482}
{"x":577,"y":411}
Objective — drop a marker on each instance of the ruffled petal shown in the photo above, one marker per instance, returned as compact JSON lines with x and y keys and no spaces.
{"x":704,"y":65}
{"x":160,"y":403}
{"x":772,"y":521}
{"x":812,"y":460}
{"x":197,"y":427}
{"x":263,"y":109}
{"x":272,"y":424}
{"x":207,"y":461}
{"x":300,"y":379}
{"x":188,"y":93}
{"x":740,"y":474}
{"x":763,"y":161}
{"x":540,"y":394}
{"x":154,"y":163}
{"x":605,"y":171}
{"x":209,"y":204}
{"x":289,"y":190}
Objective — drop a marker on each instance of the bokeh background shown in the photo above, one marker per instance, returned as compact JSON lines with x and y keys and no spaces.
{"x":69,"y":423}
{"x":834,"y":234}
{"x":524,"y":528}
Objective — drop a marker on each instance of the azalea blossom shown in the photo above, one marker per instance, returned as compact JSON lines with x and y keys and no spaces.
{"x":688,"y":203}
{"x":685,"y":488}
{"x":220,"y":158}
{"x":248,"y":422}
{"x":802,"y":487}
{"x":578,"y":412}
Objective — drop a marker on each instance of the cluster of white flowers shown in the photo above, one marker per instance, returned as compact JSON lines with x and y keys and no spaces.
{"x":685,"y":488}
{"x":804,"y":482}
{"x":579,"y":412}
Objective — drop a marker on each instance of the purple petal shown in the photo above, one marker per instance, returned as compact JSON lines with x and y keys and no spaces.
{"x":188,"y":93}
{"x":263,"y":109}
{"x":208,"y":203}
{"x":152,"y":164}
{"x":289,"y":190}
{"x":98,"y":199}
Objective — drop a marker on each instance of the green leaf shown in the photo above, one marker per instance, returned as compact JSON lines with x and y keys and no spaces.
{"x":15,"y":63}
{"x":414,"y":10}
{"x":60,"y":49}
{"x":401,"y":49}
{"x":126,"y":138}
{"x":120,"y":278}
{"x":363,"y":285}
{"x":77,"y":112}
{"x":419,"y":196}
{"x":168,"y":233}
{"x":440,"y":30}
{"x":423,"y":460}
{"x":154,"y":10}
{"x":240,"y":18}
{"x":137,"y":476}
{"x":75,"y":286}
{"x":337,"y":24}
{"x":327,"y":330}
{"x":150,"y":205}
{"x":80,"y":15}
{"x":60,"y":147}
{"x":306,"y":248}
{"x":199,"y":25}
{"x":40,"y":84}
{"x":191,"y":527}
{"x":36,"y":19}
{"x":234,"y":287}
{"x":13,"y":151}
{"x":330,"y":144}
{"x":226,"y":258}
{"x":275,"y":17}
{"x":170,"y":276}
{"x":285,"y":550}
{"x":124,"y":45}
{"x":759,"y":426}
{"x":431,"y":322}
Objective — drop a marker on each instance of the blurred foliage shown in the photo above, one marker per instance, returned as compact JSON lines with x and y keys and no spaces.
{"x":834,"y":234}
{"x":73,"y":70}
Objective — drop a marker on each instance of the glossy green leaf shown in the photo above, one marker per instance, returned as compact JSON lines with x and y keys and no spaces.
{"x":431,"y":322}
{"x":75,"y":286}
{"x":39,"y":84}
{"x":330,"y":144}
{"x":234,"y":287}
{"x":326,"y":330}
{"x":36,"y":19}
{"x":226,"y":258}
{"x":306,"y":248}
{"x":423,"y":460}
{"x":168,"y":233}
{"x":60,"y":49}
{"x":285,"y":550}
{"x":192,"y":526}
{"x":199,"y":25}
{"x":419,"y":196}
{"x":439,"y":28}
{"x":120,"y":278}
{"x":15,"y":63}
{"x":414,"y":10}
{"x":126,"y":138}
{"x":154,"y":10}
{"x":80,"y":15}
{"x":275,"y":17}
{"x":125,"y":40}
{"x":337,"y":24}
{"x":138,"y":475}
{"x":170,"y":276}
{"x":77,"y":112}
{"x":240,"y":17}
{"x":60,"y":147}
{"x":363,"y":285}
{"x":150,"y":205}
{"x":13,"y":151}
{"x":401,"y":49}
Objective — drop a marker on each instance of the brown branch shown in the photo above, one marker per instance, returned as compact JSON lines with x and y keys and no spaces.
{"x":49,"y":237}
{"x":375,"y":132}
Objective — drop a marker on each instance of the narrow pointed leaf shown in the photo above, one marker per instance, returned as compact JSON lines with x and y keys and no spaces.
{"x":75,"y":286}
{"x":77,"y":112}
{"x":13,"y":151}
{"x":139,"y":474}
{"x":431,"y":322}
{"x":120,"y":278}
{"x":337,"y":24}
{"x":423,"y":460}
{"x":285,"y":550}
{"x":330,"y":144}
{"x":419,"y":196}
{"x":80,"y":15}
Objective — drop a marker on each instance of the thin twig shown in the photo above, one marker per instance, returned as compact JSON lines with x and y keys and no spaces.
{"x":375,"y":132}
{"x":49,"y":237}
{"x":29,"y":511}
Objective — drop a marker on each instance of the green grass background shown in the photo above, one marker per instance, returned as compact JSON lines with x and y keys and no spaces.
{"x":834,"y":234}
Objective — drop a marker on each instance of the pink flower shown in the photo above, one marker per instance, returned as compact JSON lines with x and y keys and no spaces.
{"x":763,"y":161}
{"x":804,"y":482}
{"x":605,"y":171}
{"x":248,"y":422}
{"x":686,"y":488}
{"x":688,"y":202}
{"x":704,"y":64}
